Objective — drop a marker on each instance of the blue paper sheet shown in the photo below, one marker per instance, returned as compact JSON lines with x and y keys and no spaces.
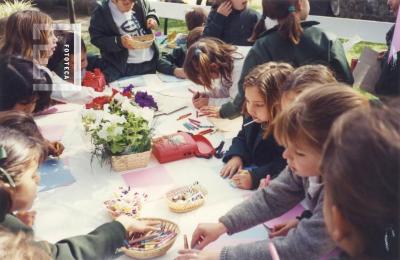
{"x":53,"y":174}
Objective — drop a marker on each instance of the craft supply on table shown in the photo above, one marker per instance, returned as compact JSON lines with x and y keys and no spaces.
{"x":126,"y":201}
{"x":186,"y":198}
{"x":154,"y":243}
{"x":184,"y":116}
{"x":185,"y":242}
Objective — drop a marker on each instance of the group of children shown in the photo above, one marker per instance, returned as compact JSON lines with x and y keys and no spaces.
{"x":305,"y":136}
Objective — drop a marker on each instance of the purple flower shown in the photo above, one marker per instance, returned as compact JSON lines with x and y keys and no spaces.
{"x":145,"y":100}
{"x":127,"y":89}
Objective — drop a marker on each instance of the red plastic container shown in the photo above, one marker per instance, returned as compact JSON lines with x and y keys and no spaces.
{"x":95,"y":80}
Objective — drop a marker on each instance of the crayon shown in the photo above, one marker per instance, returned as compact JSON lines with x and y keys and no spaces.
{"x":184,"y":116}
{"x":207,"y":131}
{"x":185,"y":242}
{"x":249,"y":123}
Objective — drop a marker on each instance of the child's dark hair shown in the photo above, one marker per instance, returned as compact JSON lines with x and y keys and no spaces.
{"x":19,"y":151}
{"x":268,"y":78}
{"x":64,"y":39}
{"x":202,"y":54}
{"x":195,"y":18}
{"x":360,"y":166}
{"x":194,"y":35}
{"x":308,"y":120}
{"x":22,"y":122}
{"x":307,"y":75}
{"x":21,"y":82}
{"x":285,"y":12}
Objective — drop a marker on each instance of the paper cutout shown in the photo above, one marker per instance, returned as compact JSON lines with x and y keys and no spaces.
{"x":291,"y":214}
{"x":367,"y":71}
{"x":53,"y":174}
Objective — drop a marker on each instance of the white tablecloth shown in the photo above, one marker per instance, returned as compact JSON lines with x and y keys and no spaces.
{"x":78,"y":208}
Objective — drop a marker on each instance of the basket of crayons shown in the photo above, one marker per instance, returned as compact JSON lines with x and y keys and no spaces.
{"x":186,"y":198}
{"x":142,"y":41}
{"x":153,"y":243}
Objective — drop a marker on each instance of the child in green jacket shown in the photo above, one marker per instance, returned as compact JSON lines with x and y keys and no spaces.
{"x":293,"y":41}
{"x":20,"y":157}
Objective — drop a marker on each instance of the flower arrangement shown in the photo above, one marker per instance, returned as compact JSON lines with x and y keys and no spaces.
{"x":118,"y":126}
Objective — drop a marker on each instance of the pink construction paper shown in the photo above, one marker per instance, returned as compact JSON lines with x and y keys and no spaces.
{"x":154,"y":181}
{"x":52,"y":132}
{"x":253,"y":234}
{"x":149,"y":177}
{"x":291,"y":214}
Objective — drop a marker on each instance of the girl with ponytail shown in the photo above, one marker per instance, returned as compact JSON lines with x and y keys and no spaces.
{"x":294,"y":41}
{"x":215,"y":65}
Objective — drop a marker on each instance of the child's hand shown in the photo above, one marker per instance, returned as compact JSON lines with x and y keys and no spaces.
{"x":200,"y":100}
{"x":210,"y":111}
{"x":137,"y":226}
{"x":231,"y":167}
{"x":126,"y":41}
{"x":282,"y":229}
{"x":55,"y":148}
{"x":198,"y":255}
{"x":152,"y":24}
{"x":225,"y":8}
{"x":243,"y":180}
{"x":264,"y":182}
{"x":179,"y":73}
{"x":207,"y":233}
{"x":27,"y":217}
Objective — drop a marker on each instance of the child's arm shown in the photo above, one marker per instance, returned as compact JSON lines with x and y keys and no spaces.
{"x":150,"y":12}
{"x":282,"y":194}
{"x":308,"y":241}
{"x":100,"y":34}
{"x":239,"y":147}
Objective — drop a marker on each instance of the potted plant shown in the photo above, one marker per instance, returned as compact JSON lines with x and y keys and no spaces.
{"x":120,"y":132}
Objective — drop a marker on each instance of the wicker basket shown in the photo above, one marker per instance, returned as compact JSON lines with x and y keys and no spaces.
{"x":151,"y":253}
{"x":130,"y":161}
{"x":143,"y":41}
{"x":180,"y":207}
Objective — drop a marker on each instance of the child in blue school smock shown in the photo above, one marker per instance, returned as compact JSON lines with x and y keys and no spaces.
{"x":255,"y":145}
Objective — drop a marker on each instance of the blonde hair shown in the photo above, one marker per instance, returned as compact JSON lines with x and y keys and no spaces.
{"x":309,"y":119}
{"x":202,"y":54}
{"x":19,"y":32}
{"x":268,"y":78}
{"x":304,"y":76}
{"x":20,"y":246}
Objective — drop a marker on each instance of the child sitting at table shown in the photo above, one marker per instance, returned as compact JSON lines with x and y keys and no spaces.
{"x":176,"y":58}
{"x":215,"y":65}
{"x":63,"y":59}
{"x":255,"y":146}
{"x":303,"y":129}
{"x":20,"y":157}
{"x":112,"y":26}
{"x":20,"y":80}
{"x":18,"y":41}
{"x":360,"y":167}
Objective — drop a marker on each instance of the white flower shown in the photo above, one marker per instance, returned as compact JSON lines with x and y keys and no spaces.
{"x":89,"y":114}
{"x":106,"y":107}
{"x":120,"y":98}
{"x":103,"y":133}
{"x":117,"y":131}
{"x":147,"y":114}
{"x":115,"y":119}
{"x":128,"y":107}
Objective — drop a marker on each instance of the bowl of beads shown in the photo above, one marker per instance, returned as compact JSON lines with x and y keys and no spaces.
{"x":154,"y":243}
{"x":125,"y":201}
{"x":186,"y":198}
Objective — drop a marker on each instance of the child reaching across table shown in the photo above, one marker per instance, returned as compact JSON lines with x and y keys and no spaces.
{"x":215,"y":65}
{"x":255,"y":145}
{"x":20,"y":157}
{"x":303,"y":129}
